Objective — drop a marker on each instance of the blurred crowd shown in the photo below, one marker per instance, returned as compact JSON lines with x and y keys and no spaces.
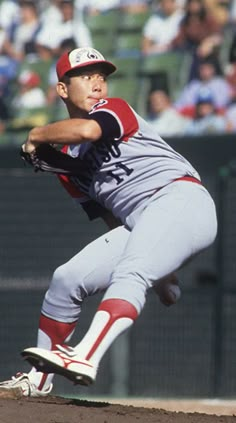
{"x":34,"y":33}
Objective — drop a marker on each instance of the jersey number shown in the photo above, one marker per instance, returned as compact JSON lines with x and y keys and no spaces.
{"x":118,"y":178}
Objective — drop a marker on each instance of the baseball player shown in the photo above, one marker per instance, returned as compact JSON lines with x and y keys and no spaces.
{"x":119,"y":168}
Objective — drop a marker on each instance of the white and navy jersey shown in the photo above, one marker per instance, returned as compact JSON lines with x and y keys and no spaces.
{"x":129,"y":163}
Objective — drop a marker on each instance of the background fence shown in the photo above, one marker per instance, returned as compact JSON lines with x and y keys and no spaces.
{"x":187,"y":350}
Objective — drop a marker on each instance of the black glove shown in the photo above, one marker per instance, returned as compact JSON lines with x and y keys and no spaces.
{"x":47,"y":158}
{"x":29,"y":158}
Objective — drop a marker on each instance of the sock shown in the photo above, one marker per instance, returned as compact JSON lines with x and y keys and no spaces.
{"x":112,"y":318}
{"x":50,"y":333}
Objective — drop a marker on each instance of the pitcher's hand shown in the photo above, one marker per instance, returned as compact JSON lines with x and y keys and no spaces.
{"x":29,"y":147}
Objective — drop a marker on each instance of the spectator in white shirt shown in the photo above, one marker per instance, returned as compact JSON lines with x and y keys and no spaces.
{"x":162,"y":115}
{"x":9,"y":14}
{"x":161,"y":28}
{"x":71,"y":26}
{"x":29,"y":104}
{"x":30,"y":95}
{"x":51,"y":13}
{"x":22,"y":40}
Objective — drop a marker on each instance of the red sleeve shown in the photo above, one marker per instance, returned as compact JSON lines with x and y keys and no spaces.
{"x":116,"y":118}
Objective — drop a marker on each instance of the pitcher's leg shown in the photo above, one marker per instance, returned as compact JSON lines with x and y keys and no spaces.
{"x":160,"y":242}
{"x":176,"y":225}
{"x":179,"y":223}
{"x":87,"y":273}
{"x":84,"y":275}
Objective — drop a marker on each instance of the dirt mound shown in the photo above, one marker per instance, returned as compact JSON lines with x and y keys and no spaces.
{"x":62,"y":410}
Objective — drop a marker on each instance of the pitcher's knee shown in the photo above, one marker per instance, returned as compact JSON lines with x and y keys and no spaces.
{"x":61,"y":279}
{"x":65,"y":286}
{"x":63,"y":299}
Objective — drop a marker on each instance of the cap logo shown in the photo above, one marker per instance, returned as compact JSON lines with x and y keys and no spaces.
{"x":84,"y":55}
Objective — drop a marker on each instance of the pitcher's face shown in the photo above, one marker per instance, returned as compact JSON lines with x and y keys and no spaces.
{"x":83,"y":88}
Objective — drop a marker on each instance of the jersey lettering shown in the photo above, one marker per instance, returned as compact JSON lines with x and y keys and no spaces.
{"x":106,"y":150}
{"x":118,"y":178}
{"x":101,"y":152}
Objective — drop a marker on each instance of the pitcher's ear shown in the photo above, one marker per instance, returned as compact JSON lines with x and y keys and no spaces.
{"x":62,"y":89}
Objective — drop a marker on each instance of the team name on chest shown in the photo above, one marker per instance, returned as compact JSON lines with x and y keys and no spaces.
{"x":101,"y":152}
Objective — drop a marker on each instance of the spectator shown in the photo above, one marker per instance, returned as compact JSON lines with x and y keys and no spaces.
{"x":230,"y":116}
{"x":8,"y":72}
{"x":219,"y":10}
{"x":161,"y":28}
{"x":232,"y":12}
{"x":8,"y":69}
{"x":230,"y":68}
{"x":232,"y":49}
{"x":30,"y":93}
{"x":22,"y":42}
{"x":162,"y":115}
{"x":210,"y":78}
{"x":28,"y":105}
{"x":206,"y":119}
{"x":199,"y":34}
{"x":51,"y":13}
{"x":69,"y":27}
{"x":43,"y":51}
{"x":230,"y":75}
{"x":9,"y":13}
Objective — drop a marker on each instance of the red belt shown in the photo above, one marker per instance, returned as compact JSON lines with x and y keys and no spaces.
{"x":183,"y":178}
{"x":188,"y":178}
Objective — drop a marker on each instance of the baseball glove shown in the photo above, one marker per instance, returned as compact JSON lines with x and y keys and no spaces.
{"x":47,"y":158}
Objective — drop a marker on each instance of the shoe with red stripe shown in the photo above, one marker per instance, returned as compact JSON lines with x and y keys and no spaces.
{"x":20,"y":386}
{"x":63,"y":361}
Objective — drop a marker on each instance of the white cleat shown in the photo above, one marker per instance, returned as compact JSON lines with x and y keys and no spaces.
{"x":20,"y":386}
{"x":63,"y":361}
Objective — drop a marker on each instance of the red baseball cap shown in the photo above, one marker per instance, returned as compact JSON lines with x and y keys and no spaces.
{"x":80,"y":58}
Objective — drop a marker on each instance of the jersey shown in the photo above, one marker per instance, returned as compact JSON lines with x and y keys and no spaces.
{"x":91,"y":207}
{"x":129,"y":163}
